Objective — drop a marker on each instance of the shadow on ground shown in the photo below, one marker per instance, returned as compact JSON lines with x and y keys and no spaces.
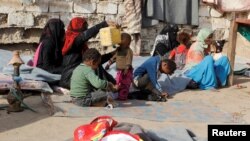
{"x":12,"y":120}
{"x":239,"y":79}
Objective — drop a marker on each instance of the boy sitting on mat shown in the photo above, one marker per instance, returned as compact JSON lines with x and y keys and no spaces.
{"x":87,"y":89}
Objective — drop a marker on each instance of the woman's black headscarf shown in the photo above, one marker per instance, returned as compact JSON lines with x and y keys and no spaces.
{"x":54,"y":32}
{"x":166,"y":40}
{"x":171,"y":30}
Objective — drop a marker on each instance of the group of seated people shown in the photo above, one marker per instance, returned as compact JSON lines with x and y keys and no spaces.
{"x":82,"y":70}
{"x":209,"y":69}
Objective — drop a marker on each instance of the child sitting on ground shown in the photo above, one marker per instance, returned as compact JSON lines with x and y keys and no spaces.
{"x":179,"y":53}
{"x":87,"y":89}
{"x":219,"y":44}
{"x":123,"y":58}
{"x":146,"y":75}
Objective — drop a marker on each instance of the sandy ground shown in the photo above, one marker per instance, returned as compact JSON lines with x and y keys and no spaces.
{"x":26,"y":126}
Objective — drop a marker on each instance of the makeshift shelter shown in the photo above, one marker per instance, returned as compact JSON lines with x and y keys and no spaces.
{"x":234,"y":7}
{"x":232,"y":40}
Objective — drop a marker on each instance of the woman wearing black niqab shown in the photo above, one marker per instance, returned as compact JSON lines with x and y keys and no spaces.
{"x":50,"y":46}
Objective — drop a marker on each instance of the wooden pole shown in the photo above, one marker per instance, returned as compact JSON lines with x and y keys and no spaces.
{"x":232,"y":46}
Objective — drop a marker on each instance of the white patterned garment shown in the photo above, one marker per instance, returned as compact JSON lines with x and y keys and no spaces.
{"x":160,"y":39}
{"x":133,"y":16}
{"x":133,"y":22}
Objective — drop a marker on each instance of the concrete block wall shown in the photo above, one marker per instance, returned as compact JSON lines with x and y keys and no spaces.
{"x":220,"y":23}
{"x":21,"y":21}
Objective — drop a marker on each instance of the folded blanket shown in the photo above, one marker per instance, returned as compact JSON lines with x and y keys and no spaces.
{"x":6,"y":83}
{"x":26,"y":72}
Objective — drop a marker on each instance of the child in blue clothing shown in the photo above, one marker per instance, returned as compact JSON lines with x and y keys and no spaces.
{"x":146,"y":76}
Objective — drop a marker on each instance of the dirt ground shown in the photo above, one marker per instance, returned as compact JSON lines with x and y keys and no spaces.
{"x":26,"y":126}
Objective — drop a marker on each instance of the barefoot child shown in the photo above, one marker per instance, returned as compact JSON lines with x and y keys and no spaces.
{"x":146,"y":75}
{"x":87,"y":89}
{"x":123,"y":58}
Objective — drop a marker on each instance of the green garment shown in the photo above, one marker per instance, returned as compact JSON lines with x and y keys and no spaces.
{"x":84,"y":80}
{"x":244,"y":30}
{"x":202,"y":36}
{"x":197,"y":48}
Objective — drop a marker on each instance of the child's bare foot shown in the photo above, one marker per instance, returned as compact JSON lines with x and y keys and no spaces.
{"x":111,"y":101}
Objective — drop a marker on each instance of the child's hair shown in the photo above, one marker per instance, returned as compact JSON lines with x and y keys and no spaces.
{"x":91,"y":54}
{"x":219,"y":44}
{"x":126,"y":35}
{"x":183,"y":38}
{"x":170,"y":63}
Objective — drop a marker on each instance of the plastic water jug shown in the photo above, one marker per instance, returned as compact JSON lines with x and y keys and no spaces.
{"x":110,"y":36}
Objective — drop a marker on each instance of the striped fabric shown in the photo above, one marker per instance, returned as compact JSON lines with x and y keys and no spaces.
{"x":133,"y":15}
{"x":133,"y":22}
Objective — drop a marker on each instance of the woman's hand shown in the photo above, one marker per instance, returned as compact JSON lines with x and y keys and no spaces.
{"x":111,"y":87}
{"x":112,"y":23}
{"x":107,"y":67}
{"x":207,"y":50}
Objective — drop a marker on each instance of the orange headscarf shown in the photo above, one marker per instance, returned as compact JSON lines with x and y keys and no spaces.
{"x":76,"y":26}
